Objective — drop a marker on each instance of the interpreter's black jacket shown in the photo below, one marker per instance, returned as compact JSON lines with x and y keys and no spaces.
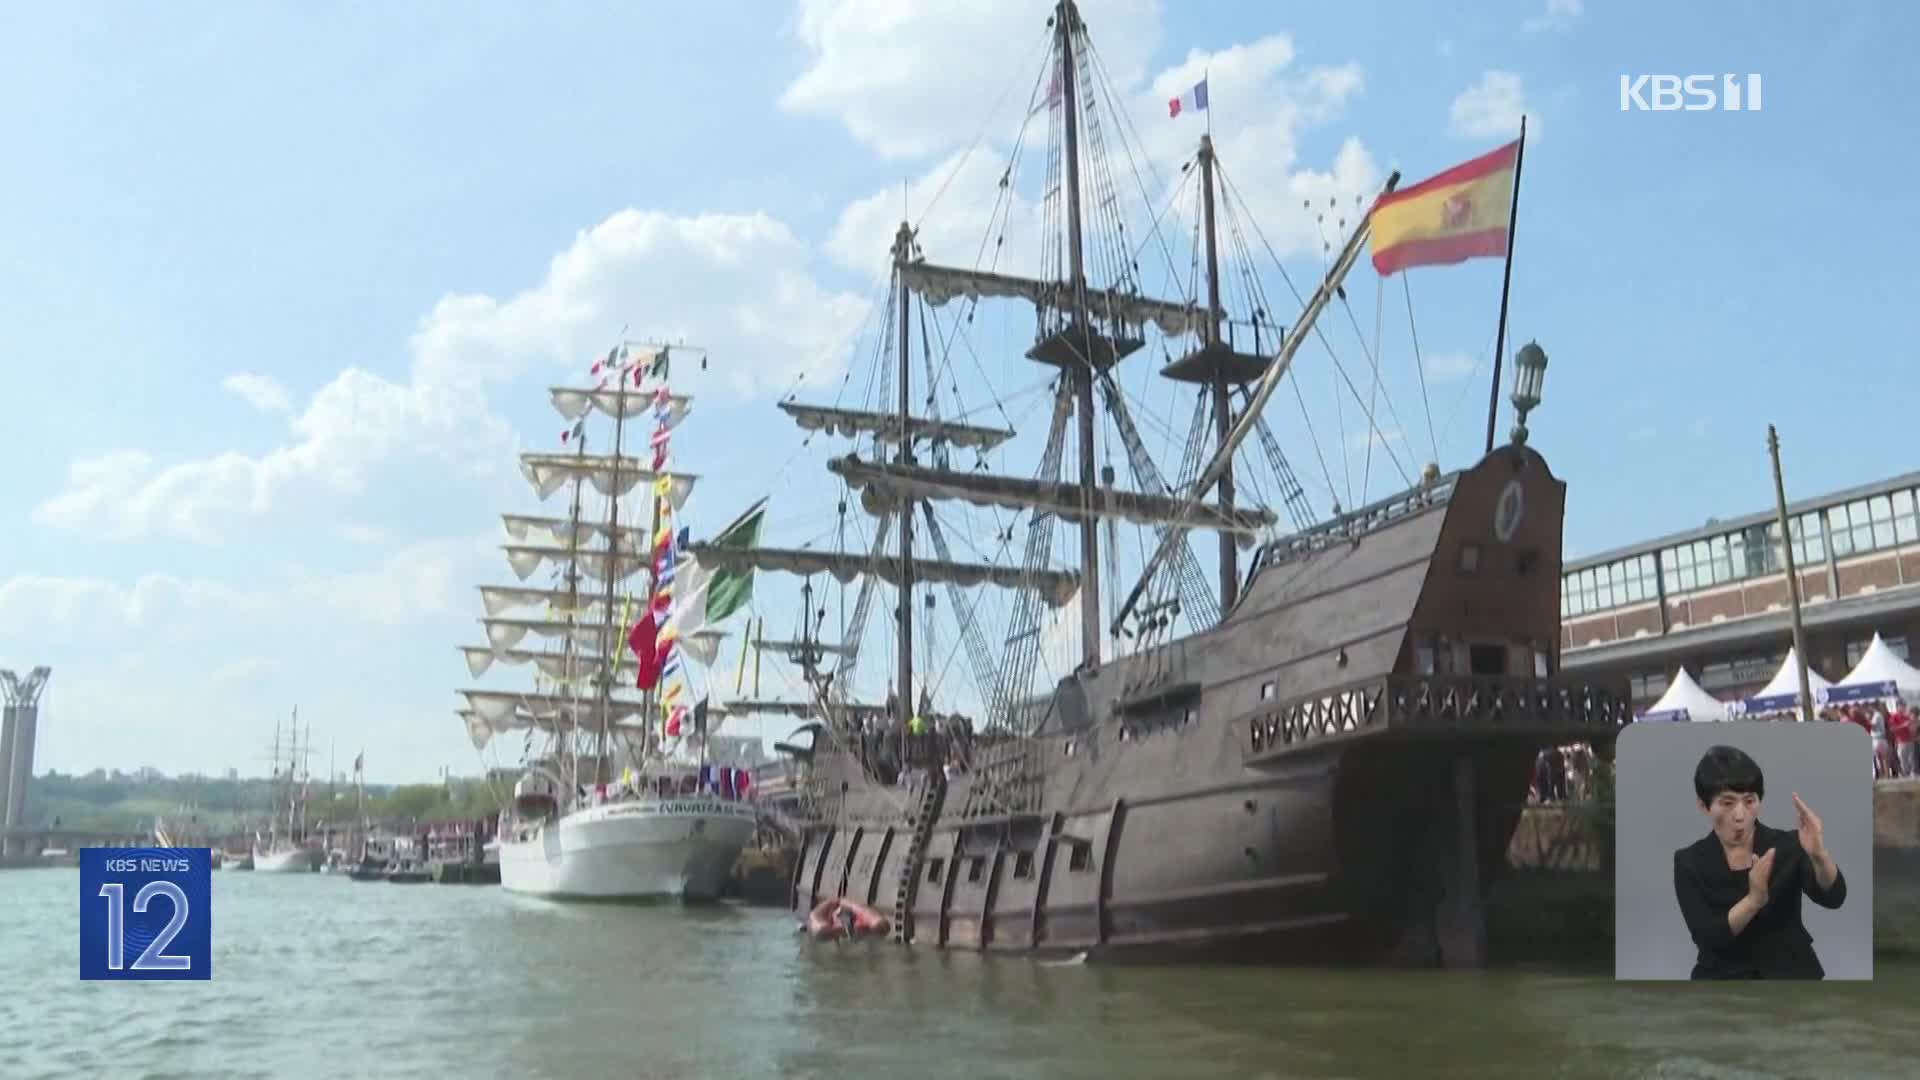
{"x":1775,"y":944}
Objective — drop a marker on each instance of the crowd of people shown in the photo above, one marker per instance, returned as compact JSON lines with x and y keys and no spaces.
{"x":1561,"y":774}
{"x":1890,"y":726}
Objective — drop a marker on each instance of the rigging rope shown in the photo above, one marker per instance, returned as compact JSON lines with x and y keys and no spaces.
{"x":1419,"y":365}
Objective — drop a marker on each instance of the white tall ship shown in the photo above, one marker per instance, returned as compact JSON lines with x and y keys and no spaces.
{"x":284,"y":847}
{"x":616,"y":800}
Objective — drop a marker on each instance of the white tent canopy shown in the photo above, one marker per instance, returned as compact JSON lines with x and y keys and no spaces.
{"x":1782,"y":693}
{"x":1882,"y":665}
{"x":1684,"y":700}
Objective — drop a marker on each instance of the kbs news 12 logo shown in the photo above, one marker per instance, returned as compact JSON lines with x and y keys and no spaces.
{"x":1689,"y":93}
{"x":146,"y":913}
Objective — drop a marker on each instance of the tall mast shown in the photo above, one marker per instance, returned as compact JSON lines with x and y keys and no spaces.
{"x":607,"y":647}
{"x":572,"y":647}
{"x":1067,"y":21}
{"x":1222,"y":405}
{"x":902,"y":249}
{"x":649,"y":698}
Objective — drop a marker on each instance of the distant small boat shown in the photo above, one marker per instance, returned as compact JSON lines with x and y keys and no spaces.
{"x":409,"y":873}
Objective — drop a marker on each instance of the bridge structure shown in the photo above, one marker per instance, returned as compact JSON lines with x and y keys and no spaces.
{"x":18,"y":726}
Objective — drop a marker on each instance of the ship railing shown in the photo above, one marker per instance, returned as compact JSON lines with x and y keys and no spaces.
{"x":1542,"y":710}
{"x":1355,"y":523}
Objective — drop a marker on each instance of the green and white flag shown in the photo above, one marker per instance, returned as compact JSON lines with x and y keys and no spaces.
{"x":708,"y":595}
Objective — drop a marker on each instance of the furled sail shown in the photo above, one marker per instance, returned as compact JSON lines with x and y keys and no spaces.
{"x":893,"y":481}
{"x":940,"y":284}
{"x":553,"y":665}
{"x":1057,"y":586}
{"x":574,"y":404}
{"x":563,"y":532}
{"x":508,"y":709}
{"x":885,"y":426}
{"x":507,"y":633}
{"x":549,"y":473}
{"x":497,"y":598}
{"x":598,"y":565}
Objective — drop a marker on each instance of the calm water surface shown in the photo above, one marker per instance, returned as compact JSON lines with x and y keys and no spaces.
{"x":320,"y":976}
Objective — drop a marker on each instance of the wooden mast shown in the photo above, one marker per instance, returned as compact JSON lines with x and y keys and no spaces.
{"x":1506,"y":286}
{"x":571,"y":650}
{"x":607,"y":646}
{"x":1065,"y":23}
{"x":902,"y":251}
{"x":1222,"y":405}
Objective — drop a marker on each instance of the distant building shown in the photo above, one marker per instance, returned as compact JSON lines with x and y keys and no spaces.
{"x":147,"y":774}
{"x":1715,"y":599}
{"x":233,"y":774}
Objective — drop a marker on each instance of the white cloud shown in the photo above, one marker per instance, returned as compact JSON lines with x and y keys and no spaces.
{"x":421,"y":581}
{"x":1448,"y":366}
{"x":34,"y":605}
{"x":735,"y":283}
{"x":954,"y":205}
{"x":358,"y":533}
{"x":1492,"y":108}
{"x":1560,"y":15}
{"x":908,"y":80}
{"x":430,"y":579}
{"x":1262,"y":107}
{"x":258,"y":391}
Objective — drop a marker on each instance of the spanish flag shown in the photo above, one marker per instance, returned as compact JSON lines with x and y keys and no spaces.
{"x":1458,"y":215}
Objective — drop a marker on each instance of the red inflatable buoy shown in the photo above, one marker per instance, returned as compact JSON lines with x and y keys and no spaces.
{"x":839,"y":917}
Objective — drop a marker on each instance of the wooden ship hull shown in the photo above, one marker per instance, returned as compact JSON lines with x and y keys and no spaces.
{"x":1333,"y":772}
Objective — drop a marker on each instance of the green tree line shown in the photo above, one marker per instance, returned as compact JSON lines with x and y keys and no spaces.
{"x":107,"y":804}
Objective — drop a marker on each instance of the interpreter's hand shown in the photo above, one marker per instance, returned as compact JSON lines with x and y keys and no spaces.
{"x":1759,"y":876}
{"x":1813,"y":837}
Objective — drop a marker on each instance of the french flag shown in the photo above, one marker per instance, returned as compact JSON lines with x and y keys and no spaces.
{"x":1194,"y":100}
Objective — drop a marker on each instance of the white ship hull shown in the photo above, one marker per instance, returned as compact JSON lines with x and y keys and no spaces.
{"x":681,"y":848}
{"x":286,"y":860}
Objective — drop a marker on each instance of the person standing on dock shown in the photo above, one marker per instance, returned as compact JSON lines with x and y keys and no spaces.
{"x":1900,"y":729}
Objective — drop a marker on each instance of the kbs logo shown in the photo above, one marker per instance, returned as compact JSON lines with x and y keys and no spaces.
{"x":145,"y":913}
{"x":1689,"y":93}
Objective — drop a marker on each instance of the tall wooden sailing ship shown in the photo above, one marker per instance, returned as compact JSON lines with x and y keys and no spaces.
{"x":608,"y":806}
{"x":285,"y":847}
{"x":1322,"y":755}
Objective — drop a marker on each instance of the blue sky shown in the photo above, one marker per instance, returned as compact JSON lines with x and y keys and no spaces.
{"x":405,"y":223}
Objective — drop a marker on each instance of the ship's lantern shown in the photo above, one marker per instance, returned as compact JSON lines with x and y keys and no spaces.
{"x":1529,"y":376}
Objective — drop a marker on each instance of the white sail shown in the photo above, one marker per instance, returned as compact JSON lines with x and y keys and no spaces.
{"x":552,"y":665}
{"x":574,"y":404}
{"x":526,"y":560}
{"x":508,"y":633}
{"x":562,"y":532}
{"x":496,"y":599}
{"x":508,"y":709}
{"x":608,"y":474}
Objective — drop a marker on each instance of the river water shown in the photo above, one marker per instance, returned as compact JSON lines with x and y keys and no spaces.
{"x":320,"y":976}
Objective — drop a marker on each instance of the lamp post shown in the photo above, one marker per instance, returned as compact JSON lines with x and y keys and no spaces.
{"x":1793,"y":575}
{"x":1529,"y":376}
